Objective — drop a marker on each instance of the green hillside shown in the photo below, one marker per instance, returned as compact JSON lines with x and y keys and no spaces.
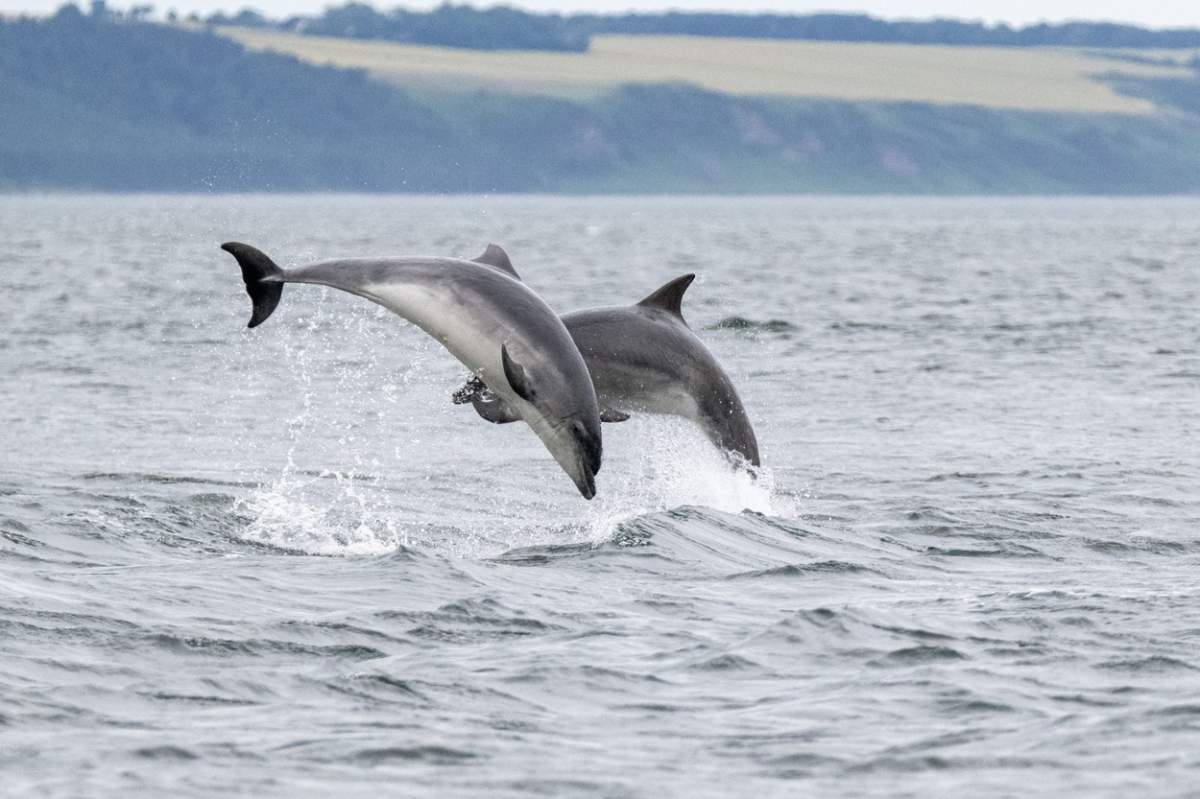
{"x":103,"y":104}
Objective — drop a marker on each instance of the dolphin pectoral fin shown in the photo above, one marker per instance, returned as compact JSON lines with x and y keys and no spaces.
{"x":669,"y":297}
{"x":517,"y":377}
{"x":493,"y":409}
{"x":262,"y":277}
{"x":495,"y":257}
{"x":613,"y":415}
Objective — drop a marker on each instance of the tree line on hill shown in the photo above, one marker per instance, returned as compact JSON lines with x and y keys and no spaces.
{"x":506,"y":28}
{"x":503,"y":28}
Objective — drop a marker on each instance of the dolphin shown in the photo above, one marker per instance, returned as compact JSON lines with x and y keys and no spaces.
{"x":494,"y":324}
{"x":643,"y":358}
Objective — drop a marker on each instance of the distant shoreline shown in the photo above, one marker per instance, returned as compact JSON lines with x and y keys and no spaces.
{"x":120,"y":106}
{"x":649,"y":196}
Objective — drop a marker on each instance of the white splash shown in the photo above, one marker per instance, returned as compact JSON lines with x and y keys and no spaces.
{"x":656,"y":464}
{"x":295,"y":514}
{"x":383,"y":496}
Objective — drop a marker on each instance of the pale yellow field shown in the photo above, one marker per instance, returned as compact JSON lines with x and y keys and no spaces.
{"x":1039,"y":79}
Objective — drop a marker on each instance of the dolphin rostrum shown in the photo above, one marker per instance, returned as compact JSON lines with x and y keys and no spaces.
{"x":493,"y":323}
{"x":644,"y":358}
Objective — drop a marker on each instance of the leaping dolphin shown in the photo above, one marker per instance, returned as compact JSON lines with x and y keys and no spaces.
{"x":643,"y":358}
{"x":494,"y":324}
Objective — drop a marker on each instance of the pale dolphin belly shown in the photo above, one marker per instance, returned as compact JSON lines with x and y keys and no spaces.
{"x":631,"y":389}
{"x":469,"y":337}
{"x":470,"y":311}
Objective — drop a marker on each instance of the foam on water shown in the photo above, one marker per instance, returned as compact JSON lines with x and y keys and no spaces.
{"x":333,"y":513}
{"x":660,"y":463}
{"x":288,"y":514}
{"x":351,"y":501}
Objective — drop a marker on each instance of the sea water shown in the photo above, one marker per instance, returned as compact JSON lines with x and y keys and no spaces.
{"x":279,"y":562}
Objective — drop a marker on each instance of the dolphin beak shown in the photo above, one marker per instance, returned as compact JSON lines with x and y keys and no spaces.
{"x":585,"y":481}
{"x":589,"y":460}
{"x":582,"y":462}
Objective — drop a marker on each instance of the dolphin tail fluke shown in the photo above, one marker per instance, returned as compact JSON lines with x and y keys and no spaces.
{"x":264,"y":280}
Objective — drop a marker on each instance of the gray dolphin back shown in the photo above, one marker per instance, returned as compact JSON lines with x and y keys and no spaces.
{"x":645,"y":358}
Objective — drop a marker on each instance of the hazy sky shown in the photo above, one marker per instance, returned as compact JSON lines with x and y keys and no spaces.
{"x":1156,"y":13}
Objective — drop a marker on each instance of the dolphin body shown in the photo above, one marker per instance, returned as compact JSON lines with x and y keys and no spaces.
{"x":643,"y":358}
{"x":494,"y":324}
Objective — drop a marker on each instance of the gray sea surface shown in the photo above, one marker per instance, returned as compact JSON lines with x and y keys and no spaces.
{"x":279,"y":562}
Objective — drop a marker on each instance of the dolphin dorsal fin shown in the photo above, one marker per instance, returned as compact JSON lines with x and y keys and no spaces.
{"x":669,"y":298}
{"x":495,"y":257}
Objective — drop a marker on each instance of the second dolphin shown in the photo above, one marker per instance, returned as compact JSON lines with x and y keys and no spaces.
{"x":644,"y":358}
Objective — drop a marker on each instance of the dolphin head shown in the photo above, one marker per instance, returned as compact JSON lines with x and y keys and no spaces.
{"x":575,"y":443}
{"x":565,"y":416}
{"x":573,"y":440}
